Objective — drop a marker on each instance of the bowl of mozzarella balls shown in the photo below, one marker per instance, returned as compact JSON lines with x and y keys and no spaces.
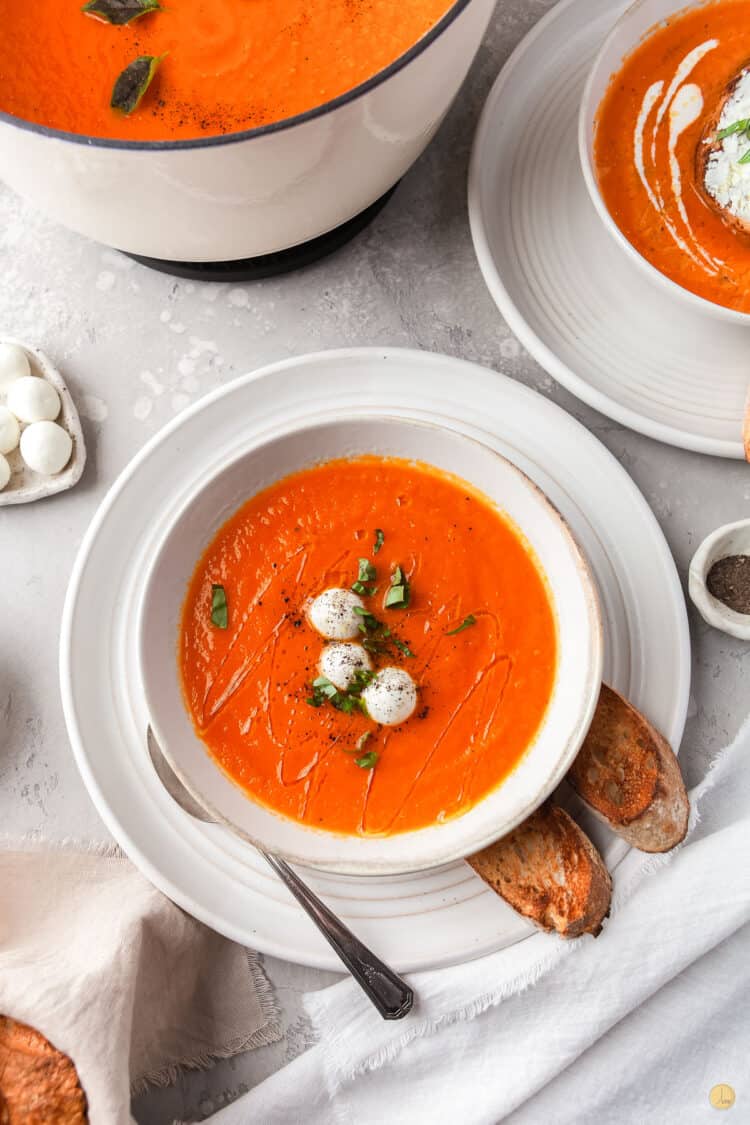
{"x":41,"y":444}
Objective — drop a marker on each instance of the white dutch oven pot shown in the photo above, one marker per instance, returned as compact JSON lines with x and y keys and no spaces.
{"x":257,"y":192}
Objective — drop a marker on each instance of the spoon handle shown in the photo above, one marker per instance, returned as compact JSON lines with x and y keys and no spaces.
{"x":388,"y":992}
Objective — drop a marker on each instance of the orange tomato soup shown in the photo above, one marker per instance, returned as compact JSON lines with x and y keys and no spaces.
{"x":228,"y":65}
{"x":676,"y":230}
{"x":482,"y":692}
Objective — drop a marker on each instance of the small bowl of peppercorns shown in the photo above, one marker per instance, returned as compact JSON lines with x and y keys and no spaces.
{"x":719,"y":579}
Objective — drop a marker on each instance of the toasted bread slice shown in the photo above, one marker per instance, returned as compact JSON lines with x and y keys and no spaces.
{"x":548,"y":870}
{"x":709,"y":144}
{"x":628,"y":775}
{"x":38,"y":1084}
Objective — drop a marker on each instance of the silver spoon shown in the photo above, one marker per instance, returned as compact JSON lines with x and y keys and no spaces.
{"x":388,"y":992}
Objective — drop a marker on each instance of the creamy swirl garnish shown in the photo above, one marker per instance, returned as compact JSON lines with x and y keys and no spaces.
{"x":672,"y":111}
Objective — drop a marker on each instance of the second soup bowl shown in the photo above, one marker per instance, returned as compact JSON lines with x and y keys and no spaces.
{"x":633,"y":26}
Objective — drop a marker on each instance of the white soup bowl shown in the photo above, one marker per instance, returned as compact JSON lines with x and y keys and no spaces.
{"x":573,"y":595}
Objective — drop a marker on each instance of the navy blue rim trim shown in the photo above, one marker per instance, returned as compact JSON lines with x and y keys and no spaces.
{"x":261,"y":130}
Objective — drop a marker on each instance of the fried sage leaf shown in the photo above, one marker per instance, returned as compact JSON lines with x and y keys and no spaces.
{"x":219,"y":607}
{"x":120,"y":12}
{"x":132,"y":84}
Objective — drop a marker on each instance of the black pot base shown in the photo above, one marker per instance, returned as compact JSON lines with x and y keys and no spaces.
{"x":272,"y":265}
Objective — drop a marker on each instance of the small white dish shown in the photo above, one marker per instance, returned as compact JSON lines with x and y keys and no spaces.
{"x":25,"y":485}
{"x":730,"y":539}
{"x":580,"y":306}
{"x":425,"y":920}
{"x":577,"y":678}
{"x":629,"y":30}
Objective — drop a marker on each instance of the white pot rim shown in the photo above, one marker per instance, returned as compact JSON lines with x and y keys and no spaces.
{"x":416,"y":49}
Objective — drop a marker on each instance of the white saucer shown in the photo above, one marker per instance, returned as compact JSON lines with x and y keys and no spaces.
{"x":564,"y":286}
{"x":437,"y":917}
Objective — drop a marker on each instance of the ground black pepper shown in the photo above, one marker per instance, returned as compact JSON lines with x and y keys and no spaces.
{"x":728,"y":581}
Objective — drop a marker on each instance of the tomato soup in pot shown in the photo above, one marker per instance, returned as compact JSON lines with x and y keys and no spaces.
{"x":216,"y":66}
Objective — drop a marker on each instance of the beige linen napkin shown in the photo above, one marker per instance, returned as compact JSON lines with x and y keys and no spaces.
{"x":118,"y":977}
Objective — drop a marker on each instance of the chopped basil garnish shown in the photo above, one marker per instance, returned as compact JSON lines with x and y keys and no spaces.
{"x":376,"y":636}
{"x":132,"y":83}
{"x":740,"y":126}
{"x":323,"y":687}
{"x":361,"y":678}
{"x":120,"y":12}
{"x":364,"y":591}
{"x":367,"y":571}
{"x":402,"y":647}
{"x":323,"y":691}
{"x":367,"y":761}
{"x":467,"y":621}
{"x":219,"y":607}
{"x":379,"y":537}
{"x":367,"y":574}
{"x":399,"y":595}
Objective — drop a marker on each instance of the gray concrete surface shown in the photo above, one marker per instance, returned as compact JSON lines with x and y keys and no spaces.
{"x":137,"y":347}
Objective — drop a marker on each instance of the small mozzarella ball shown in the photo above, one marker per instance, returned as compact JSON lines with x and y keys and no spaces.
{"x":4,"y":472}
{"x":391,"y":697}
{"x":14,"y":364}
{"x":33,"y":399}
{"x":340,"y":663}
{"x":10,"y":431}
{"x":332,"y":614}
{"x":46,"y":447}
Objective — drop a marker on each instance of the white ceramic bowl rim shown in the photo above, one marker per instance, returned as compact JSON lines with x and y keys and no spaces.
{"x":348,"y":96}
{"x":362,"y":865}
{"x":587,"y":115}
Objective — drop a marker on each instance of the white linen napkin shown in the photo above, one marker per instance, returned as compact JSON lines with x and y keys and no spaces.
{"x":636,"y":1025}
{"x":118,"y":977}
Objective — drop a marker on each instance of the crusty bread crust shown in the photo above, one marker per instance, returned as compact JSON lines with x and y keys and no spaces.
{"x":708,"y":145}
{"x":548,"y":870}
{"x":38,"y":1084}
{"x":629,"y":776}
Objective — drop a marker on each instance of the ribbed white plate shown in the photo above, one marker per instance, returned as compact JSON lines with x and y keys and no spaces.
{"x":567,"y":290}
{"x":436,"y":917}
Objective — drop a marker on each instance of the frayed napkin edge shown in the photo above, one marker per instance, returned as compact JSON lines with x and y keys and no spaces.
{"x":269,"y":1033}
{"x":528,"y":977}
{"x":167,"y":1075}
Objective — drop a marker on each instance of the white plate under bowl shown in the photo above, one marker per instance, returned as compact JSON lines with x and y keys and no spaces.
{"x":437,"y":917}
{"x":476,"y":466}
{"x":568,"y":290}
